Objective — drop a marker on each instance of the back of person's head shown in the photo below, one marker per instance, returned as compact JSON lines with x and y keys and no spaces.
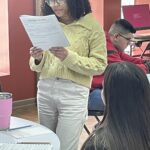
{"x":127,"y":117}
{"x":77,"y":8}
{"x":121,"y":26}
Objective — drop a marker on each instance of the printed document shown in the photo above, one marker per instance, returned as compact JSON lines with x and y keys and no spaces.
{"x":15,"y":123}
{"x":27,"y":132}
{"x":44,"y":31}
{"x":25,"y":146}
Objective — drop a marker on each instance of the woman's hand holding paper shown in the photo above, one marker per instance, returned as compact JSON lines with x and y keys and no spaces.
{"x":36,"y":53}
{"x":59,"y":52}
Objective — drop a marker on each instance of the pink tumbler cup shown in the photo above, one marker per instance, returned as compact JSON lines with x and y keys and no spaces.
{"x":5,"y":110}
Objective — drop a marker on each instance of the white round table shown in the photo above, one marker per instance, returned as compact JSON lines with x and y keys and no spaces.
{"x":22,"y":130}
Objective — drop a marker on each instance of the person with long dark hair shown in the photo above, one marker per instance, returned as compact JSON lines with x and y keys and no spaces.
{"x":66,"y":72}
{"x":126,"y":122}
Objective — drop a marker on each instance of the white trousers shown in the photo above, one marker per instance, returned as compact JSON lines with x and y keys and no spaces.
{"x":62,"y":107}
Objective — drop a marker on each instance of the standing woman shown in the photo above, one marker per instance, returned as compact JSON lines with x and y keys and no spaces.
{"x":66,"y":73}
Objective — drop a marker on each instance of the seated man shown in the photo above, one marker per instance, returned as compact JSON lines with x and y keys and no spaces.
{"x":118,"y":38}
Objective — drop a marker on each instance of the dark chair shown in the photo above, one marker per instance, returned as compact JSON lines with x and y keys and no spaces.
{"x":94,"y":113}
{"x":95,"y":106}
{"x":146,"y":52}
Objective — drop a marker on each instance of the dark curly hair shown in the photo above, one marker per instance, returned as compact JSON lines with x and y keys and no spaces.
{"x":78,"y":8}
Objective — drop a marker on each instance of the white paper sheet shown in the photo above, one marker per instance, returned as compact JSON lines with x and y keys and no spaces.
{"x":15,"y":123}
{"x":44,"y":31}
{"x":26,"y":147}
{"x":4,"y":138}
{"x":27,"y":132}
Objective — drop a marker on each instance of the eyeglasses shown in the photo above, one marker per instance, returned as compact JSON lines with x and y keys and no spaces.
{"x":127,"y":38}
{"x":54,"y":2}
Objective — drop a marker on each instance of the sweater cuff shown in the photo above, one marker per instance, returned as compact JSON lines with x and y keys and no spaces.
{"x":34,"y":66}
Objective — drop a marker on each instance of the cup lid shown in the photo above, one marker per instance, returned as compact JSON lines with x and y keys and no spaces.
{"x":5,"y":95}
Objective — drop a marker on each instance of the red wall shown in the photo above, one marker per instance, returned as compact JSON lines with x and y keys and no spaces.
{"x":4,"y":38}
{"x":142,"y":2}
{"x":147,"y":32}
{"x":106,"y":11}
{"x":112,"y":12}
{"x":21,"y":81}
{"x":98,"y":10}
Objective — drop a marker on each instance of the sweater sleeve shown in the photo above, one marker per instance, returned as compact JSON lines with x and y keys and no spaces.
{"x":39,"y":67}
{"x":138,"y":61}
{"x":96,"y":62}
